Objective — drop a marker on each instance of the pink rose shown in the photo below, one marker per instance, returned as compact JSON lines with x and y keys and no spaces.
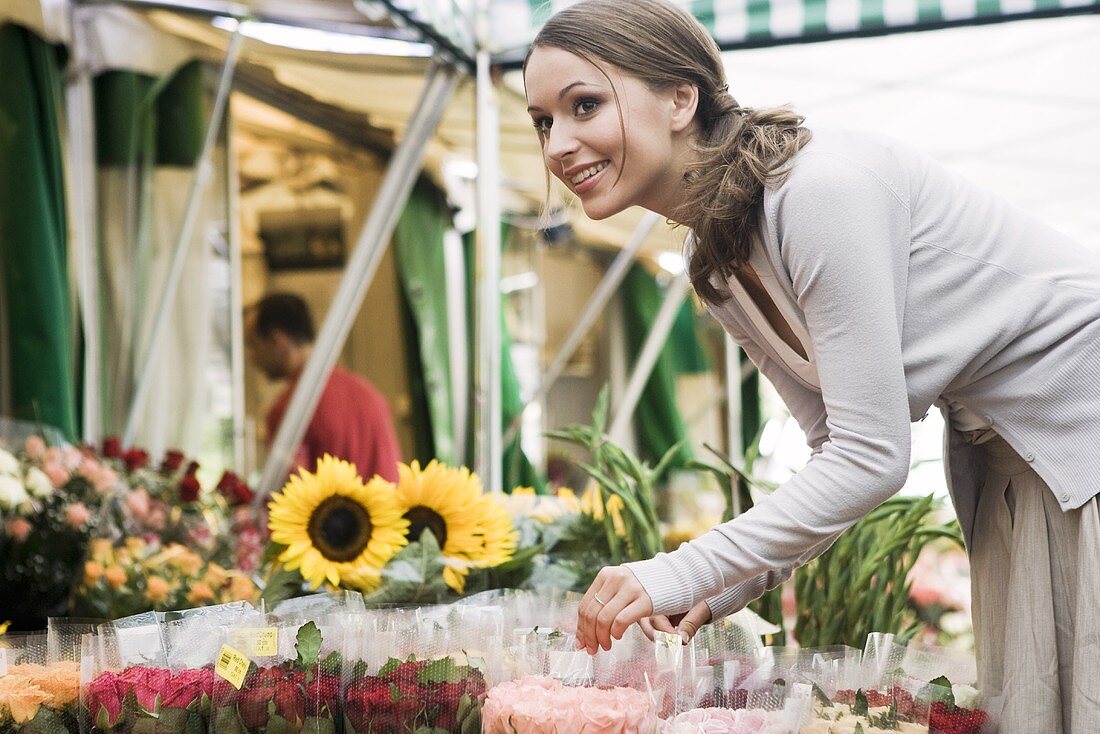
{"x":35,"y":448}
{"x":105,"y":700}
{"x":77,"y":515}
{"x":57,"y":475}
{"x":147,"y":684}
{"x":19,"y":529}
{"x":188,"y":686}
{"x":137,"y":502}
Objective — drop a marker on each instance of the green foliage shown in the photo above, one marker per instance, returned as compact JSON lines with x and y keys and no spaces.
{"x":620,"y":474}
{"x":860,"y":585}
{"x":413,"y":576}
{"x":308,"y":646}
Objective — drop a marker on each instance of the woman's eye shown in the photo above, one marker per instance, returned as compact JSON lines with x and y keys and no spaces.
{"x":542,"y":125}
{"x":585,"y":106}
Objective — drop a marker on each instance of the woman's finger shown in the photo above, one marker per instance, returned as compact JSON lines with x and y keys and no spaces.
{"x":591,"y":605}
{"x":662,"y":623}
{"x":638,"y":609}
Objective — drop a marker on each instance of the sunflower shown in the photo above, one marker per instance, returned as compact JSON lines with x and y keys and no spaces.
{"x":474,"y":529}
{"x":334,"y":527}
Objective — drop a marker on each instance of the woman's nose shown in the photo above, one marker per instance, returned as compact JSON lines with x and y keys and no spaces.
{"x":560,"y":143}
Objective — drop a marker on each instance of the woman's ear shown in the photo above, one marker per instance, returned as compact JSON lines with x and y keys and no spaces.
{"x":685,"y":101}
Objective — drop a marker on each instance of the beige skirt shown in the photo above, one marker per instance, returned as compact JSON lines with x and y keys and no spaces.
{"x":1035,"y":576}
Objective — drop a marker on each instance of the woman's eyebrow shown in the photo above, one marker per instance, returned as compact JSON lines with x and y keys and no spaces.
{"x":562,"y":93}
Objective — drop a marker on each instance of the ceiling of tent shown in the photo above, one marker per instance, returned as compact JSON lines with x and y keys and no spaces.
{"x":1014,"y":106}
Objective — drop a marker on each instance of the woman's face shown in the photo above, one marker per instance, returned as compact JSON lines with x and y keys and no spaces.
{"x":573,"y":108}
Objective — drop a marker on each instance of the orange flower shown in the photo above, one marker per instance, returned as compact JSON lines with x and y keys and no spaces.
{"x":116,"y":576}
{"x":20,"y":697}
{"x":156,"y":589}
{"x":60,"y":681}
{"x":200,"y":592}
{"x":241,"y":588}
{"x":101,"y":550}
{"x":92,"y":572}
{"x":216,"y":576}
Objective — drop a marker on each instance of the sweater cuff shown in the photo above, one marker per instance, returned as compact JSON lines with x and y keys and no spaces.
{"x":675,"y":581}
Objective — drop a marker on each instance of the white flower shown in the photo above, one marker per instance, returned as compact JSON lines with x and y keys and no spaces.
{"x":8,"y":463}
{"x":12,"y":492}
{"x":38,"y":484}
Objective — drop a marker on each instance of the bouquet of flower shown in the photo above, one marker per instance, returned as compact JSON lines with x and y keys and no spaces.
{"x":49,"y":502}
{"x":261,"y":689}
{"x":37,"y":695}
{"x":137,"y":576}
{"x":143,"y":697}
{"x":416,"y":541}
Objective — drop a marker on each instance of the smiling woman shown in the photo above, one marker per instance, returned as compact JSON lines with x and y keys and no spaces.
{"x":868,"y":283}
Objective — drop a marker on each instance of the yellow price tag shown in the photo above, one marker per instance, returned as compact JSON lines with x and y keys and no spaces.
{"x":257,"y":641}
{"x":232,"y":665}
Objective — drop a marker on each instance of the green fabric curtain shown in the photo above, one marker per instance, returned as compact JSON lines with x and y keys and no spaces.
{"x":149,"y":134}
{"x":33,"y":234}
{"x":657,"y":418}
{"x":418,"y":244}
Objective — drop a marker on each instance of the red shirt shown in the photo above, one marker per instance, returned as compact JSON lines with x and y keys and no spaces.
{"x":352,"y":422}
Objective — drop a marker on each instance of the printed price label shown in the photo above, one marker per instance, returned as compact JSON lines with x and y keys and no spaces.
{"x":232,"y":665}
{"x":259,"y":642}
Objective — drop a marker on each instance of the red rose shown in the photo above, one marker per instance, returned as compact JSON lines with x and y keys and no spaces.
{"x":112,"y":447}
{"x":188,"y":686}
{"x":321,"y":694}
{"x":145,"y":683}
{"x":172,"y":461}
{"x":135,"y":459}
{"x":105,"y":700}
{"x":365,"y":698}
{"x":235,"y":491}
{"x":192,"y":469}
{"x":189,"y":489}
{"x":290,"y":700}
{"x":252,"y":705}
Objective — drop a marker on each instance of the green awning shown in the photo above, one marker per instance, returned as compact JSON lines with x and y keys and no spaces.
{"x":753,"y":23}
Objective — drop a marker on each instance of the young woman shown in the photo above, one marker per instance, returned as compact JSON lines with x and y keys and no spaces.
{"x":867,"y":283}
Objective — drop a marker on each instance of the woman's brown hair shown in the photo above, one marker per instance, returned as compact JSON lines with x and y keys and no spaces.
{"x":739,"y":150}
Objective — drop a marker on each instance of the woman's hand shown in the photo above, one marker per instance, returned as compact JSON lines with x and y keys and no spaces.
{"x":685,"y":625}
{"x":615,"y":601}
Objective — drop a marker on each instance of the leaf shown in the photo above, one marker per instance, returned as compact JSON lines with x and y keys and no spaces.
{"x":860,"y":707}
{"x":307,"y":645}
{"x":391,"y":665}
{"x":414,"y":575}
{"x":442,"y":670}
{"x":318,"y":725}
{"x":280,"y":586}
{"x":333,"y":664}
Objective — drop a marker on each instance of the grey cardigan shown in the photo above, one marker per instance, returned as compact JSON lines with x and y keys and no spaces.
{"x":915,"y":288}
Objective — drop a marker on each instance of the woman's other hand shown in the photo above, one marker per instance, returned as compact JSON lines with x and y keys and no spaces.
{"x":685,"y":625}
{"x":615,"y":601}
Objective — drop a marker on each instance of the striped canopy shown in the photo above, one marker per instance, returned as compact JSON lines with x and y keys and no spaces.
{"x":753,"y":23}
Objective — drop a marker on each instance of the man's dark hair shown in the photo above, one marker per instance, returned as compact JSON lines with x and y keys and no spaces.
{"x":286,"y":312}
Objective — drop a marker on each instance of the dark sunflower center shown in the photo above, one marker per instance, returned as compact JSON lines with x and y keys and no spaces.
{"x":340,"y":528}
{"x":423,"y":518}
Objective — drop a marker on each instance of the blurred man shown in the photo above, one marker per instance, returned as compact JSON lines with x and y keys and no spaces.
{"x":352,"y":420}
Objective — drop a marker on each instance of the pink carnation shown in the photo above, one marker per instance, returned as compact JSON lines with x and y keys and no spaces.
{"x":35,"y":448}
{"x":542,"y":705}
{"x":57,"y":475}
{"x":19,"y":529}
{"x":77,"y":515}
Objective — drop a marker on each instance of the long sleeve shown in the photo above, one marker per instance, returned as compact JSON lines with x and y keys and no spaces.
{"x":842,"y":231}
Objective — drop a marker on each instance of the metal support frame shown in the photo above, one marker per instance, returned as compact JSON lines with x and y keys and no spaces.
{"x":647,"y":358}
{"x":236,"y":305}
{"x":199,"y":183}
{"x":595,"y":306}
{"x":401,"y":174}
{"x":458,"y":341}
{"x":83,"y":223}
{"x":488,"y":426}
{"x":735,"y":443}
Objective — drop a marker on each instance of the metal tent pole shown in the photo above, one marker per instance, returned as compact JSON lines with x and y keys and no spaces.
{"x":735,"y":442}
{"x":199,"y":184}
{"x":651,"y":350}
{"x":83,"y":222}
{"x":597,"y":302}
{"x":401,"y":174}
{"x":236,"y":304}
{"x":488,"y":423}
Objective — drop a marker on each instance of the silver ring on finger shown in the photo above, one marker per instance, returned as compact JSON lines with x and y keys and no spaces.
{"x":599,"y":601}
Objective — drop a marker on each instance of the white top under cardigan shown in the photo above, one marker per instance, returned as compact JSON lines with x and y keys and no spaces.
{"x":908,"y":286}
